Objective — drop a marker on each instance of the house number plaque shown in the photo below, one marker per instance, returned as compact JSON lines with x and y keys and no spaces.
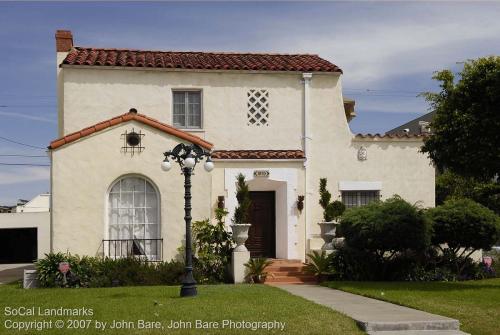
{"x":261,"y":173}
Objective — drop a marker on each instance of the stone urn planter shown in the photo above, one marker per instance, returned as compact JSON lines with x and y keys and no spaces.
{"x":338,"y":242}
{"x":328,"y":230}
{"x":240,"y":235}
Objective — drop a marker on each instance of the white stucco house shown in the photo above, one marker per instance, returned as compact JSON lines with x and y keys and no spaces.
{"x":280,"y":119}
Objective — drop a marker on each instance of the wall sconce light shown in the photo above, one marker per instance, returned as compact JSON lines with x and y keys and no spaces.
{"x":300,"y":203}
{"x":220,"y":202}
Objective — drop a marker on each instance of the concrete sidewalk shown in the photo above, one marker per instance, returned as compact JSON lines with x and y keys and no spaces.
{"x":377,"y":317}
{"x":13,"y":272}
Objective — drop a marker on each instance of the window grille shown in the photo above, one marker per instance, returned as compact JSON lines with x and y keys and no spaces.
{"x":359,"y":198}
{"x":258,"y":107}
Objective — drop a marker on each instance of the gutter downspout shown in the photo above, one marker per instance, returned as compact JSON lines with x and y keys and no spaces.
{"x":307,"y":78}
{"x":51,"y":214}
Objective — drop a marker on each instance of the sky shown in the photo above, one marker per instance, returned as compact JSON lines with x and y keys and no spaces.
{"x":387,"y":50}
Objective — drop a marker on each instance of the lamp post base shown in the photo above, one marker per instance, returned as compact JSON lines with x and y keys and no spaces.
{"x":189,"y":291}
{"x":188,"y":287}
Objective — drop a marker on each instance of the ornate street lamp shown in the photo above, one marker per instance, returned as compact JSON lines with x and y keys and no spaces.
{"x":187,"y":155}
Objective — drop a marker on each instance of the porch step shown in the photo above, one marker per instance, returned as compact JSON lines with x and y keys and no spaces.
{"x":290,"y":279}
{"x":285,"y":271}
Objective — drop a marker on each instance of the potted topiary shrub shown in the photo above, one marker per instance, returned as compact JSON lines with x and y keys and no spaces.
{"x":256,"y":269}
{"x":241,"y":216}
{"x":331,"y":213}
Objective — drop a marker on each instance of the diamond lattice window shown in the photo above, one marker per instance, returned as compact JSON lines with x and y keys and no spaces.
{"x":258,"y":108}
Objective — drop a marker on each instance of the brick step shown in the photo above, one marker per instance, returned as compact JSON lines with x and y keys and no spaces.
{"x":278,"y":260}
{"x":301,"y":279}
{"x":287,"y":273}
{"x":301,"y":276}
{"x":285,"y":268}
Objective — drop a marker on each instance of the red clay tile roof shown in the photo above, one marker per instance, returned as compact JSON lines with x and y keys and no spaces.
{"x":391,"y":136}
{"x":258,"y":154}
{"x":129,"y":117}
{"x":198,"y":60}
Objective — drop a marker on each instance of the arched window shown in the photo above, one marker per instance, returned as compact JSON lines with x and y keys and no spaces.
{"x":133,"y":219}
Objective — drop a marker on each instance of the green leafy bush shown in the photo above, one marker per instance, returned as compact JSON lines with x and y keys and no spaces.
{"x":320,"y":265}
{"x":213,"y":245}
{"x":353,"y":264}
{"x":461,"y":227}
{"x":383,"y":241}
{"x":103,"y":272}
{"x":386,"y":228}
{"x":256,"y":269}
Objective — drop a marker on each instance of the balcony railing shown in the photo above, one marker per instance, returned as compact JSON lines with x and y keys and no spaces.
{"x":149,"y":249}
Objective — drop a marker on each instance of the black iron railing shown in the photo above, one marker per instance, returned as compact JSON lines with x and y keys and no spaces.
{"x":149,"y":249}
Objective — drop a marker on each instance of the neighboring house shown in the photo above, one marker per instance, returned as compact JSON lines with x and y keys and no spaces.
{"x":418,"y":126}
{"x":279,"y":119}
{"x":25,"y":230}
{"x":7,"y":209}
{"x":40,"y":203}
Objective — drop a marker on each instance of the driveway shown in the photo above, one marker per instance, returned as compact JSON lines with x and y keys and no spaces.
{"x":13,"y":272}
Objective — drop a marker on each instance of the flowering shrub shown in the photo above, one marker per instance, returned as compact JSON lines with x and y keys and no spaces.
{"x":103,"y":272}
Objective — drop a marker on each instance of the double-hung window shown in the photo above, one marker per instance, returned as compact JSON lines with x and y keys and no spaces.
{"x":187,"y":109}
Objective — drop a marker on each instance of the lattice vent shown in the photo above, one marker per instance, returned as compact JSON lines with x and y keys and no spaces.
{"x":258,"y":108}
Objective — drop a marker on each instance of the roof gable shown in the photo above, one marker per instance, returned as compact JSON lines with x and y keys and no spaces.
{"x":191,"y":60}
{"x":126,"y":118}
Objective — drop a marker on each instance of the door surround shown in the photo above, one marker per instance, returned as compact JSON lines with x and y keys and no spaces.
{"x":284,"y":182}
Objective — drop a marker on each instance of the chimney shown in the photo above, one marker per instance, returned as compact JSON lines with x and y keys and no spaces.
{"x":64,"y":40}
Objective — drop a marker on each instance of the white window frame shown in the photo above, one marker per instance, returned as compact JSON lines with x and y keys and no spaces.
{"x":177,"y":90}
{"x":107,"y":235}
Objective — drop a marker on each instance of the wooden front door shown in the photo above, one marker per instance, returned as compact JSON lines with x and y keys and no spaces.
{"x":262,"y":234}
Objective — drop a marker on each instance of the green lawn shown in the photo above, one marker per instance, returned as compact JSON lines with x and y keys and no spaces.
{"x":475,"y":303}
{"x":161,"y":303}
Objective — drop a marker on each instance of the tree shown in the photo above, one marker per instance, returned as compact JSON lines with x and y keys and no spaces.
{"x":461,"y":227}
{"x":450,"y":185}
{"x":466,"y":136}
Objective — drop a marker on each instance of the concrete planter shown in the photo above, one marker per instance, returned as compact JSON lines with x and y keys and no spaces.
{"x":338,"y":242}
{"x":30,"y":279}
{"x":328,"y":230}
{"x":240,"y":235}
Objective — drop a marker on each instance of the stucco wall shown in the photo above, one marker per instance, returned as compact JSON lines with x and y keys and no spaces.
{"x":40,"y":220}
{"x":333,"y":154}
{"x":93,"y":95}
{"x":83,"y":171}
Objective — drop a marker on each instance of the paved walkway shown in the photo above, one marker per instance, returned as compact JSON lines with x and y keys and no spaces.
{"x":13,"y":272}
{"x":375,"y":316}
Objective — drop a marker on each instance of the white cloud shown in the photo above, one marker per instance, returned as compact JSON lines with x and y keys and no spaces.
{"x":384,"y":43}
{"x":24,"y":175}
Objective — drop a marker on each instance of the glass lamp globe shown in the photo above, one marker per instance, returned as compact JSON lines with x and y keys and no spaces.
{"x":209,"y":165}
{"x":189,"y":162}
{"x":166,"y":165}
